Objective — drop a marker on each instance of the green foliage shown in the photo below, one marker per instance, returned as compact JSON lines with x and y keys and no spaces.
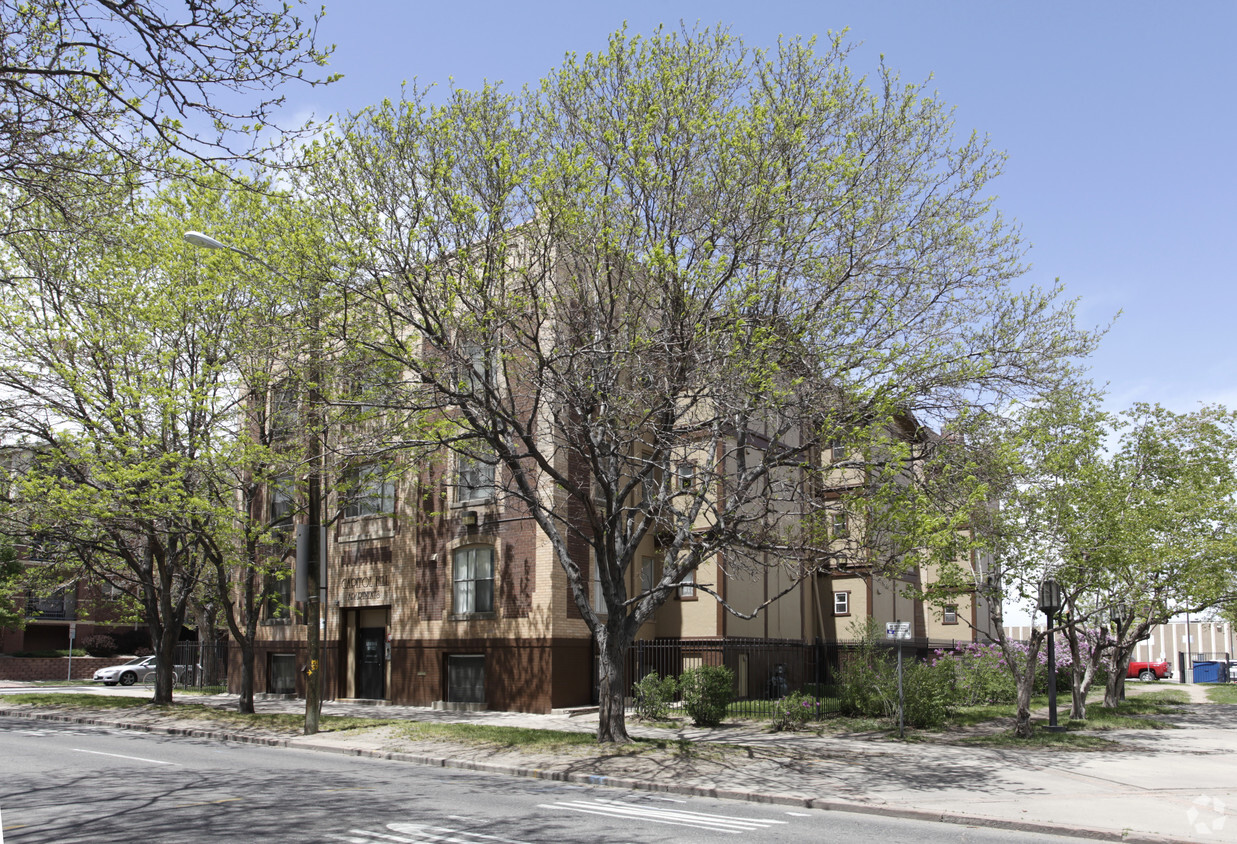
{"x":11,"y":616}
{"x":795,"y":711}
{"x":653,"y":695}
{"x":869,"y":684}
{"x":706,"y":691}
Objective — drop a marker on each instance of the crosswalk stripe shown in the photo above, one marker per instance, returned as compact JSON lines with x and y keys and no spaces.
{"x":718,"y":823}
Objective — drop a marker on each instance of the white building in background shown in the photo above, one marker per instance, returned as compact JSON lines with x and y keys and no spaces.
{"x":1208,"y":639}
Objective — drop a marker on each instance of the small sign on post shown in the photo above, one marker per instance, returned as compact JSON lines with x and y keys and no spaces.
{"x":72,"y":636}
{"x":897,"y":629}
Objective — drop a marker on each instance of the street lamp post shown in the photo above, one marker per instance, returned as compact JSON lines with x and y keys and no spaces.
{"x":315,"y":604}
{"x":1050,"y":604}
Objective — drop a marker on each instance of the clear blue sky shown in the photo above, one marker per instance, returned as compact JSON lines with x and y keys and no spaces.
{"x":1119,"y":118}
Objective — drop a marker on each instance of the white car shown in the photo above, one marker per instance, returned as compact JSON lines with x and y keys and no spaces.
{"x":142,"y":668}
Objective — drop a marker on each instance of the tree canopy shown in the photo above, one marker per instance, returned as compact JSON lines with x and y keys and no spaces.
{"x":647,"y":290}
{"x":94,"y":92}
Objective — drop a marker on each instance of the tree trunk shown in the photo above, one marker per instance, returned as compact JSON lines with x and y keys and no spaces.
{"x":1024,"y":683}
{"x":1114,"y":687}
{"x":245,"y":704}
{"x":612,"y":715}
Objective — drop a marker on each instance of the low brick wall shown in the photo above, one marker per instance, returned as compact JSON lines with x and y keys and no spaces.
{"x":25,"y":669}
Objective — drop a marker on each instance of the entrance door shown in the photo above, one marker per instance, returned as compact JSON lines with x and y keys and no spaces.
{"x":371,"y":672}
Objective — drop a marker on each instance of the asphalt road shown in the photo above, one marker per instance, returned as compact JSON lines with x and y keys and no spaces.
{"x":66,"y":783}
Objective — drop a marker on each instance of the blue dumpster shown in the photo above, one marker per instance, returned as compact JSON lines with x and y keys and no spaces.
{"x":1210,"y":672}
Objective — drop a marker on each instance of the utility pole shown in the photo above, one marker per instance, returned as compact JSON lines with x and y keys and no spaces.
{"x":315,"y":605}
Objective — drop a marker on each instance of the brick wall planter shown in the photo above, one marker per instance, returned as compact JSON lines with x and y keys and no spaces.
{"x":26,"y":669}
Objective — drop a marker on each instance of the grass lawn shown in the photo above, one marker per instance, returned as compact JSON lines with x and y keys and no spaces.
{"x":1223,"y":694}
{"x":197,"y":711}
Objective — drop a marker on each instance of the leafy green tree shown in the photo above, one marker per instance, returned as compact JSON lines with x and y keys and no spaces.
{"x":1134,"y":512}
{"x":130,"y":370}
{"x":680,"y":252}
{"x":11,"y":615}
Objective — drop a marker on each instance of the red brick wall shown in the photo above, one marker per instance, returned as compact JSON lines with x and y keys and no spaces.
{"x":53,"y":668}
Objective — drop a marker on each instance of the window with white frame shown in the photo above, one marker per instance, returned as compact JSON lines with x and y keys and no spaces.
{"x":950,"y":614}
{"x":839,"y":525}
{"x":477,"y":367}
{"x":474,"y":479}
{"x":837,"y":452}
{"x":368,"y":492}
{"x":473,"y":576}
{"x":841,"y":603}
{"x":687,"y":586}
{"x":687,"y":475}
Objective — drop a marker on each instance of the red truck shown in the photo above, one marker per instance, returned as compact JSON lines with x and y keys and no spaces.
{"x":1150,"y":671}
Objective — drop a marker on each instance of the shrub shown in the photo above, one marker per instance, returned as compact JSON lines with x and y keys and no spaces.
{"x":100,"y":644}
{"x":869,"y":685}
{"x":794,"y":711}
{"x":707,"y":691}
{"x":653,"y":695}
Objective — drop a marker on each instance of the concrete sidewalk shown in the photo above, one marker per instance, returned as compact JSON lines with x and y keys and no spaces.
{"x":1160,"y":785}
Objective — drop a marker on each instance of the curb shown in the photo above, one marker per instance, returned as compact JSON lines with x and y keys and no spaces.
{"x":823,"y":804}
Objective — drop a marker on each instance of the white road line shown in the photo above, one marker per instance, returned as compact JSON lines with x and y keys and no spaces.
{"x":421,"y":832}
{"x":480,"y":835}
{"x":122,"y":756}
{"x":684,"y":812}
{"x":676,"y":817}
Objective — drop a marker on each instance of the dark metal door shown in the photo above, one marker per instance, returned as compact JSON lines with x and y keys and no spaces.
{"x":371,"y":663}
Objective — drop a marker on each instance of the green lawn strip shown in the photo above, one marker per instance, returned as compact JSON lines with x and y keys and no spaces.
{"x":291,"y":722}
{"x":525,"y":738}
{"x":1222,"y":694}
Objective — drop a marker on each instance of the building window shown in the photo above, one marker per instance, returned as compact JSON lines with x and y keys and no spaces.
{"x":474,"y":580}
{"x":368,"y":491}
{"x":283,"y":502}
{"x":283,"y":419}
{"x":950,"y":615}
{"x":841,"y":603}
{"x":687,"y":475}
{"x":474,"y":480}
{"x":465,"y":679}
{"x":277,"y":586}
{"x":839,"y":525}
{"x":837,"y":452}
{"x":281,"y":674}
{"x":599,"y":598}
{"x":687,"y":586}
{"x":646,"y":575}
{"x":478,"y":368}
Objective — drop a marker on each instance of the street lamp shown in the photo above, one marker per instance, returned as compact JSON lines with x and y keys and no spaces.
{"x":1050,"y":604}
{"x":315,"y":604}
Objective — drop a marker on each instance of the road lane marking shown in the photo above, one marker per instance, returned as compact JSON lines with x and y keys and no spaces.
{"x":419,"y":833}
{"x":122,"y":756}
{"x":729,"y":824}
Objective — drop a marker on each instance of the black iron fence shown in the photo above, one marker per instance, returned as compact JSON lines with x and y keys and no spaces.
{"x":765,"y":670}
{"x":202,"y":666}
